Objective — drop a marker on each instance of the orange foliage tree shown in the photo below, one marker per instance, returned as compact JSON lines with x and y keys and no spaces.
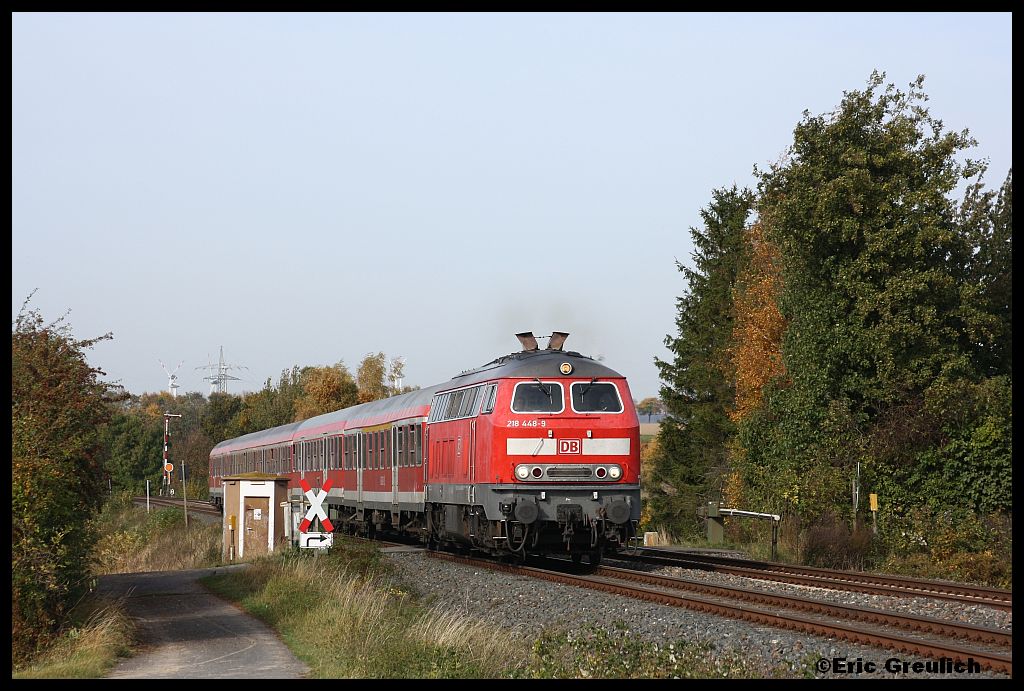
{"x":755,"y":354}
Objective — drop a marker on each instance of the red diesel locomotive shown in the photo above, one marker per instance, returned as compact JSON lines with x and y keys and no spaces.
{"x":536,"y":452}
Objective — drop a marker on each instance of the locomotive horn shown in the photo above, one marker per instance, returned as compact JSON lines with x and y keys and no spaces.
{"x":528,"y":340}
{"x":557,"y":339}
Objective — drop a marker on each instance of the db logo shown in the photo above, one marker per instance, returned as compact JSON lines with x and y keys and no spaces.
{"x":569,"y":446}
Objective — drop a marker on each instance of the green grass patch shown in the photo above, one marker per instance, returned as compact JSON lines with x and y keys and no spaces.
{"x":613,"y":653}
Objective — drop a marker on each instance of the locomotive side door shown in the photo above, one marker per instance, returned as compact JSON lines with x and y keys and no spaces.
{"x":472,"y":461}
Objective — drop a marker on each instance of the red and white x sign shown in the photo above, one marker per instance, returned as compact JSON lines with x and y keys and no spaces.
{"x":315,"y":506}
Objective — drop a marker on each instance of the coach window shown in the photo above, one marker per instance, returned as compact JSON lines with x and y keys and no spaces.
{"x":537,"y":397}
{"x":417,"y":433}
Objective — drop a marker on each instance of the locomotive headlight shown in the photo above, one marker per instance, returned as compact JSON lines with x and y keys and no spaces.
{"x":615,"y":472}
{"x":522,"y":472}
{"x":600,"y":472}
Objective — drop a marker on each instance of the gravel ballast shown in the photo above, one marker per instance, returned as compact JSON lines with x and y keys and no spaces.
{"x":527,"y":607}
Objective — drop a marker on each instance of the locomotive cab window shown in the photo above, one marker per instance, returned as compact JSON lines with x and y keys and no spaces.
{"x":488,"y":404}
{"x":595,"y":397}
{"x":537,"y":397}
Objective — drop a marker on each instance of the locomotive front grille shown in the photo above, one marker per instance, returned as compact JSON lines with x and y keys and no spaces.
{"x":570,"y":471}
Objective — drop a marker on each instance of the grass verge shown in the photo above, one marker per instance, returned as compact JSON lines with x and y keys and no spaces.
{"x":346,"y":616}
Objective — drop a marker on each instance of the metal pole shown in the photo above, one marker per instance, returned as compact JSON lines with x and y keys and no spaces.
{"x":184,"y":494}
{"x":147,"y":496}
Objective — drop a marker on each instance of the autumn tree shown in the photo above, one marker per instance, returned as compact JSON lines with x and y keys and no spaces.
{"x":651,"y":405}
{"x":325,"y":389}
{"x":58,"y":409}
{"x":755,"y":351}
{"x":378,"y":377}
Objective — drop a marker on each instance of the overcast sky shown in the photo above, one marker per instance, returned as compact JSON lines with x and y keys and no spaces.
{"x":303,"y":189}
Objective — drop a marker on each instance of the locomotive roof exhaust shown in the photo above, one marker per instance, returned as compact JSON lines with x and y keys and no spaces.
{"x":529,"y":341}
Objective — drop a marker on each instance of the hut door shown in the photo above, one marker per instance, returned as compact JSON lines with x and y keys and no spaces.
{"x":257,"y":522}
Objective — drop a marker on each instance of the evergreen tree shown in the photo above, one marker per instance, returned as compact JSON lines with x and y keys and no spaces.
{"x":691,"y":450}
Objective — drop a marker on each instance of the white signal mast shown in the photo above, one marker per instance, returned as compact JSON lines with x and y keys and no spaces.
{"x":172,"y":378}
{"x":217,"y":380}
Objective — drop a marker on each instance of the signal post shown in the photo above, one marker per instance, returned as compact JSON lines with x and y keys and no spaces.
{"x":168,"y":466}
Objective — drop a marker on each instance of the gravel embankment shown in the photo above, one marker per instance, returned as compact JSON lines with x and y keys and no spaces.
{"x":527,"y":607}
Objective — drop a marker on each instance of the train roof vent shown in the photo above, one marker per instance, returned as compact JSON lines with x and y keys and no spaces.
{"x":557,"y":339}
{"x":528,"y":340}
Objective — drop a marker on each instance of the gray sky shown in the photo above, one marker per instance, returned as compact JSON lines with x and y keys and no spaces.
{"x":309,"y":188}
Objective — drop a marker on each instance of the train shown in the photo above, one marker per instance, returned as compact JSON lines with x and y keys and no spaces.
{"x":534,"y":453}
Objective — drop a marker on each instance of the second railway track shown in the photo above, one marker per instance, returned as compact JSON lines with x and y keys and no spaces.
{"x":854,"y":581}
{"x":913,"y":635}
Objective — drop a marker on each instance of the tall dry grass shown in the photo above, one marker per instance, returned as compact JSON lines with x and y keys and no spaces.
{"x":88,"y":650}
{"x":132,"y":541}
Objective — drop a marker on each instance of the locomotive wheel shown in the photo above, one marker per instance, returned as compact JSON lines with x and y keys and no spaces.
{"x":577,"y":558}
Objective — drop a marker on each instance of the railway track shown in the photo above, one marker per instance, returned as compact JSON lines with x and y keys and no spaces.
{"x":915,"y":635}
{"x":202,"y":507}
{"x":855,"y":581}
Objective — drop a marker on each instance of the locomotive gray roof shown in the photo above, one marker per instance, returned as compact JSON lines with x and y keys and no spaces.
{"x":535,"y":363}
{"x":527,"y":364}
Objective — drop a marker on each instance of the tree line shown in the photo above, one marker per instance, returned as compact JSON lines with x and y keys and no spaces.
{"x":848,"y":318}
{"x":76,"y":440}
{"x":134,"y":436}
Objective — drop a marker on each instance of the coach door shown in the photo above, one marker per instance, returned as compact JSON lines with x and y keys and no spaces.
{"x":395,"y":455}
{"x":360,"y":462}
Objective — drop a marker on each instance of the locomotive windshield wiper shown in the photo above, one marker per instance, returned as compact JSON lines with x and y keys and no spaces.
{"x":546,"y":390}
{"x":587,"y":388}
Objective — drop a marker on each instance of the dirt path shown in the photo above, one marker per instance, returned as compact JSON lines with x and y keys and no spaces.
{"x":189,"y":633}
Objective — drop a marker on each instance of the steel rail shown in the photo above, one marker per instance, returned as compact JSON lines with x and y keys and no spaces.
{"x":195,"y":507}
{"x":994,"y":661}
{"x":908,"y":622}
{"x":924,"y":584}
{"x":784,"y":574}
